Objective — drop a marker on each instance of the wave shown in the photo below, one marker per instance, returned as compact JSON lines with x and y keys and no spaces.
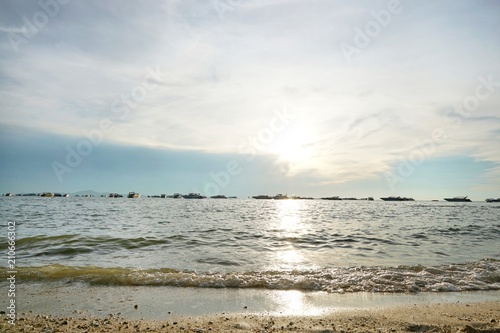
{"x":480,"y":275}
{"x":74,"y":244}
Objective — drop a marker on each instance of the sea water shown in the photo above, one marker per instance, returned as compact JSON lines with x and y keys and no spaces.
{"x":331,"y":246}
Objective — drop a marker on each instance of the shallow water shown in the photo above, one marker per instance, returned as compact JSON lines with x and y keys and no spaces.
{"x":336,"y":246}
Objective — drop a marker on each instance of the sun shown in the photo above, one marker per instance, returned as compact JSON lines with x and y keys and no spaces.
{"x":293,"y":145}
{"x":292,"y":152}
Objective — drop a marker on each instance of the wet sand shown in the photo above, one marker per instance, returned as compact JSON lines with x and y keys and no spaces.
{"x":474,"y":317}
{"x":62,"y":308}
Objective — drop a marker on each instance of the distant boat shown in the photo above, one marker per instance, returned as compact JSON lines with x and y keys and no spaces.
{"x":397,"y":199}
{"x":458,"y":199}
{"x":280,"y":196}
{"x":493,"y":200}
{"x":133,"y":195}
{"x":367,"y":199}
{"x":267,"y":197}
{"x":175,"y":196}
{"x":332,"y":198}
{"x":115,"y":195}
{"x":47,"y":194}
{"x":220,"y":196}
{"x":193,"y":196}
{"x":8,"y":194}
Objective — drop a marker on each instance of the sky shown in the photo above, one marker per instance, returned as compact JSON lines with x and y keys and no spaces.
{"x":246,"y":97}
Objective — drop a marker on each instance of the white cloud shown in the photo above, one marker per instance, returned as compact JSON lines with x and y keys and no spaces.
{"x":224,"y":78}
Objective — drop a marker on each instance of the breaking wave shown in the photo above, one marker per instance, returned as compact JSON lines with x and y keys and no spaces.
{"x":480,"y":275}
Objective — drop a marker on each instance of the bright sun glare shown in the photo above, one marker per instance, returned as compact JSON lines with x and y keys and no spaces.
{"x":292,"y":145}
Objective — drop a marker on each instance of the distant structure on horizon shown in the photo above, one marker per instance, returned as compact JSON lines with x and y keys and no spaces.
{"x":194,"y":196}
{"x":279,"y":196}
{"x":331,"y":198}
{"x":458,"y":199}
{"x":397,"y":199}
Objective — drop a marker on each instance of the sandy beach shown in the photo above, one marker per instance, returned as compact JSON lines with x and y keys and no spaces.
{"x":78,"y":308}
{"x":456,"y":317}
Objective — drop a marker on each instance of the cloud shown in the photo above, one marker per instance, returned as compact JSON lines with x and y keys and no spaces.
{"x":223,"y":78}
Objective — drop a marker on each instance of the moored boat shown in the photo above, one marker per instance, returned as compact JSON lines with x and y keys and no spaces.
{"x":262,"y":196}
{"x":193,"y":196}
{"x":458,"y":199}
{"x":220,"y":196}
{"x":331,"y":198}
{"x":133,"y":195}
{"x":392,"y":198}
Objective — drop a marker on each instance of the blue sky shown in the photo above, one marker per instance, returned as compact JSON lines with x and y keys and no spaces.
{"x":315,"y":98}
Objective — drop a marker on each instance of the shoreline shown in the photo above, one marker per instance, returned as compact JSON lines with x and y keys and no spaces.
{"x":58,"y":307}
{"x":448,"y":317}
{"x":156,"y":302}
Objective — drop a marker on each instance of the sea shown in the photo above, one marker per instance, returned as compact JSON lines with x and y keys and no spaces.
{"x":306,"y":245}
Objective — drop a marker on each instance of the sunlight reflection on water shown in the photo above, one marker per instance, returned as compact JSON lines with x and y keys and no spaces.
{"x":292,"y":302}
{"x":292,"y":228}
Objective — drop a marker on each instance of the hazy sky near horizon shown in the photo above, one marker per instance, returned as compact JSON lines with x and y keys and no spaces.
{"x":365,"y":98}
